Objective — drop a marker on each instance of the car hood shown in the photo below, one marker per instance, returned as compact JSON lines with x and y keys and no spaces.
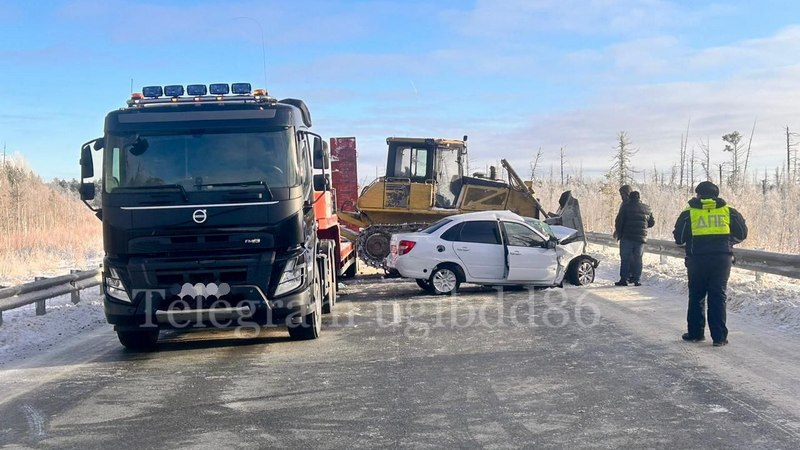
{"x":564,"y":234}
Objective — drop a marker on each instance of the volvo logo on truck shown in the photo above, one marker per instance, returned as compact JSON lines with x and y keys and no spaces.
{"x":200,"y":216}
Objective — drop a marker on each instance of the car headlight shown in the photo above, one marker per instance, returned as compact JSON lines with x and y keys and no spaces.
{"x":292,"y":276}
{"x":114,"y":286}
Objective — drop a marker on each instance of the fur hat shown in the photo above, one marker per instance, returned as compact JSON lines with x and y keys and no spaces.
{"x":707,"y":189}
{"x":625,"y":190}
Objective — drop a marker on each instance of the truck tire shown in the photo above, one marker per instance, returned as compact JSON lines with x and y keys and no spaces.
{"x":138,"y":340}
{"x":311,"y":324}
{"x":328,"y":248}
{"x":351,"y":270}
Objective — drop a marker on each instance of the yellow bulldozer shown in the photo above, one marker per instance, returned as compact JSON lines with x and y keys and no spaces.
{"x":424,"y":182}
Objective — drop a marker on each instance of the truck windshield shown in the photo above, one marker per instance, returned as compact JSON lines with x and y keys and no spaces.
{"x":201,"y":161}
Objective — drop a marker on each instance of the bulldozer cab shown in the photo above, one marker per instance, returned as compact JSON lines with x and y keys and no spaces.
{"x":438,"y":162}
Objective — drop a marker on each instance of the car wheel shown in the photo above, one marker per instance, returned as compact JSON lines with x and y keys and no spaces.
{"x":581,"y":272}
{"x":139,"y":340}
{"x":425,"y":285}
{"x":444,"y":280}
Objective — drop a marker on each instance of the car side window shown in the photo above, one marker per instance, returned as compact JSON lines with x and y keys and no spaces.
{"x":521,"y":236}
{"x":454,"y":233}
{"x":481,"y":232}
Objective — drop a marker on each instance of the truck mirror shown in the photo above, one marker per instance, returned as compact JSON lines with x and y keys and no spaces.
{"x":319,"y":154}
{"x":87,"y":191}
{"x":322,"y":182}
{"x":139,"y":146}
{"x":87,"y":165}
{"x":99,"y":143}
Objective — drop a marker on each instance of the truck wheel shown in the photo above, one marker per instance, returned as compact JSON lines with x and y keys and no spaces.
{"x":351,"y":270}
{"x":311,"y":325}
{"x":139,"y":340}
{"x":327,"y":247}
{"x":581,"y":272}
{"x":445,"y":280}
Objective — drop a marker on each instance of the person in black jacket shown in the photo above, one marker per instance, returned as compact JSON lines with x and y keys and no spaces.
{"x":708,"y":228}
{"x":630,"y":227}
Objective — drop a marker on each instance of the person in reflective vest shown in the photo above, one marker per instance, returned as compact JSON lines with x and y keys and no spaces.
{"x":708,"y":229}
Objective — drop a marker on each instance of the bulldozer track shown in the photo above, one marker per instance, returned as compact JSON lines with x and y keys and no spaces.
{"x":373,"y":242}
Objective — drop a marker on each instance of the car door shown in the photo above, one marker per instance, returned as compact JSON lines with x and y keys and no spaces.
{"x":479,"y":247}
{"x":529,"y":259}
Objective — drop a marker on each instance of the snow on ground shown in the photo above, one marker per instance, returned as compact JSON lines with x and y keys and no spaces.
{"x":23,"y":333}
{"x":771,"y":300}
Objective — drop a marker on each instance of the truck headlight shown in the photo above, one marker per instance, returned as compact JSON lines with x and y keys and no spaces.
{"x":292,"y":276}
{"x":114,"y":286}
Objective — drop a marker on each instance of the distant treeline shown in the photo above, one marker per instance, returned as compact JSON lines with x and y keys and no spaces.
{"x":43,"y":226}
{"x":770,"y":214}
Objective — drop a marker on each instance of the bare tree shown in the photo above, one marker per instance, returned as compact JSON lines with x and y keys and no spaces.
{"x":747,"y":153}
{"x":562,"y":165}
{"x":535,"y":163}
{"x":622,"y":169}
{"x":705,"y":163}
{"x":791,"y":156}
{"x":684,"y":142}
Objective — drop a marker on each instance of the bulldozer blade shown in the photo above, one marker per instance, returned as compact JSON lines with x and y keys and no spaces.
{"x":568,"y":214}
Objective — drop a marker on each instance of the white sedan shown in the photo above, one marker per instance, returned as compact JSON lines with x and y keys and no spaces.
{"x":491,"y":248}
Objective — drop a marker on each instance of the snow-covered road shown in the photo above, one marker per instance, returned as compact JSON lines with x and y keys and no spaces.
{"x":397,"y":367}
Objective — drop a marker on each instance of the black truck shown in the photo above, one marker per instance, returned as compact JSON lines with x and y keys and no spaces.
{"x":207,"y":201}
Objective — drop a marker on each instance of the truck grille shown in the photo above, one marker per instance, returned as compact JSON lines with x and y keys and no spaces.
{"x":228,"y":275}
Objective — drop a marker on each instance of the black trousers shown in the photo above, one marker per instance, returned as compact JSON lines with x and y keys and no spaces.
{"x":708,"y":281}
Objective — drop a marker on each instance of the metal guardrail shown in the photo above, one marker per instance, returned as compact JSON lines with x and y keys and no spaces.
{"x":41,"y":290}
{"x":755,"y":260}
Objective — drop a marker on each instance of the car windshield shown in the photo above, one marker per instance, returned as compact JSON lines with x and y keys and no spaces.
{"x":201,"y":161}
{"x":435,"y":226}
{"x":539,"y":226}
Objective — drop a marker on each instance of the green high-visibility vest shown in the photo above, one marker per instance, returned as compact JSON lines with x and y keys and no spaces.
{"x":710,"y":220}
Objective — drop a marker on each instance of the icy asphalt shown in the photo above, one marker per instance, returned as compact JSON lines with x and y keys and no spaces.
{"x":598,"y":367}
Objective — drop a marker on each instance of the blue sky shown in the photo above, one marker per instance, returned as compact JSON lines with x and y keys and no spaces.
{"x":515,"y":76}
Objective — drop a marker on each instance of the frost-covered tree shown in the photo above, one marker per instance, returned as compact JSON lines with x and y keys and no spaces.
{"x":622,"y":170}
{"x":736,"y":148}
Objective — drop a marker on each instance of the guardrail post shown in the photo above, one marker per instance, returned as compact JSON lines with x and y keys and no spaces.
{"x":759,"y":276}
{"x":40,"y":305}
{"x":1,"y":318}
{"x":75,"y":295}
{"x":663,"y":259}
